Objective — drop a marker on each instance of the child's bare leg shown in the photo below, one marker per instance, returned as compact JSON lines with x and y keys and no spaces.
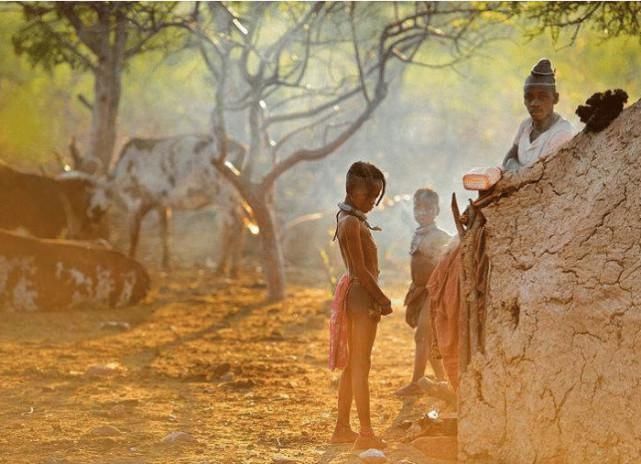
{"x":422,"y":354}
{"x":343,"y":432}
{"x":362,"y":334}
{"x":345,"y":397}
{"x":422,"y":347}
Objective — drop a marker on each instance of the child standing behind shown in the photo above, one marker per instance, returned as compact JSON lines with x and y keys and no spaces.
{"x":428,"y":245}
{"x":358,"y":304}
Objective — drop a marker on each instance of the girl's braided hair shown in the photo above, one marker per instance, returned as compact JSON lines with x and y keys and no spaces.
{"x":362,"y":171}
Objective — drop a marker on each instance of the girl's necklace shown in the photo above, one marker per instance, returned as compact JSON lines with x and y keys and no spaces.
{"x":348,"y":209}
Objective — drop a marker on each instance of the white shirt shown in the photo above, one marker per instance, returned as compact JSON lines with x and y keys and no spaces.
{"x":545,"y":144}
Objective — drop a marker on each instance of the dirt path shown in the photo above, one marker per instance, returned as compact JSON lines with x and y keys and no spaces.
{"x":247,"y":381}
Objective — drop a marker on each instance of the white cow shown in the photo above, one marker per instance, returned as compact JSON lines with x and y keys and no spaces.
{"x":177,"y":172}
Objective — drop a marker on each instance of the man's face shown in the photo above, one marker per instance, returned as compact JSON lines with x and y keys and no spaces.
{"x":540,"y":101}
{"x":364,"y":195}
{"x":425,"y":211}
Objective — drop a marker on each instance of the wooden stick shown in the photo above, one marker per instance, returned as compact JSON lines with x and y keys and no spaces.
{"x":471,"y":277}
{"x":457,"y":218}
{"x":463,"y":326}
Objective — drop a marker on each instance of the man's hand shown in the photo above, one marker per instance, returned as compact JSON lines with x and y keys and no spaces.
{"x":512,"y":165}
{"x":511,"y":161}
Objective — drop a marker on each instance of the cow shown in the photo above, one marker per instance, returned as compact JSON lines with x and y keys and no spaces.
{"x":178,"y":173}
{"x":49,"y":274}
{"x":69,"y":206}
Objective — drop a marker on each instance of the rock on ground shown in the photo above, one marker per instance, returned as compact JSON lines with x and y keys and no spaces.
{"x":373,"y":456}
{"x":174,"y":438}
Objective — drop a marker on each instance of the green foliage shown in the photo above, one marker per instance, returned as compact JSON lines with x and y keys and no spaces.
{"x":35,"y":105}
{"x":607,"y":19}
{"x":80,"y":34}
{"x":47,"y":40}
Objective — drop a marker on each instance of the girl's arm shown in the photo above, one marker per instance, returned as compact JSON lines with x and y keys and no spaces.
{"x":354,"y":248}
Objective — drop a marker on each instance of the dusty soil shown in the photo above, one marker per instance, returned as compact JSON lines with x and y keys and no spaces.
{"x":203,"y":355}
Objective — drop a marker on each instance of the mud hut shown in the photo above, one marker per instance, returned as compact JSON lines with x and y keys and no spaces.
{"x":556,"y":376}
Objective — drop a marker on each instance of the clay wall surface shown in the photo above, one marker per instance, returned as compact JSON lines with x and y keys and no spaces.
{"x":560,"y":379}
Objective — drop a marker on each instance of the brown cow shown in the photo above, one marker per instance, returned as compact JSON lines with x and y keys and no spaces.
{"x":37,"y":274}
{"x":70,"y":206}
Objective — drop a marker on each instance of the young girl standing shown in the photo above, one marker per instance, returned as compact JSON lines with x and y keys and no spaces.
{"x":358,"y":303}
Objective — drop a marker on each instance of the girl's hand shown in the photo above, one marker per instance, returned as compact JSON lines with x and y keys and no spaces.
{"x":386,"y":308}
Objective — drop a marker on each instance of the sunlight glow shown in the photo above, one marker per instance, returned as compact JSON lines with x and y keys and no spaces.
{"x":240,"y":27}
{"x":231,"y":166}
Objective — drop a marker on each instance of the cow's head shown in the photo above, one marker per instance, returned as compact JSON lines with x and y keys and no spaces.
{"x":87,"y":199}
{"x":210,"y":147}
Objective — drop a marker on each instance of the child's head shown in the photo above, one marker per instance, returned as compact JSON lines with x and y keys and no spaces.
{"x":365,"y":186}
{"x":539,"y":91}
{"x":425,"y":206}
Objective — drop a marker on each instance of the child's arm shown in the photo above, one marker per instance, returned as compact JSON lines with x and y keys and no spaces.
{"x":354,"y":248}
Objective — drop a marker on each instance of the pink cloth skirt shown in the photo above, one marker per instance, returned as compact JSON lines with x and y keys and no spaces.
{"x":339,"y":325}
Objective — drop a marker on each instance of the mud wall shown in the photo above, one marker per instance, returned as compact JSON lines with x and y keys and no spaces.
{"x":560,"y":378}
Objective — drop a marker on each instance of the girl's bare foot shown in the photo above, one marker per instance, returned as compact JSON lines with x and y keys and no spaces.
{"x":343,"y":434}
{"x":367,"y":441}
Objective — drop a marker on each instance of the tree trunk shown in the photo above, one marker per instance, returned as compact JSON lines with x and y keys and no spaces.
{"x":107,"y":87}
{"x":272,"y":253}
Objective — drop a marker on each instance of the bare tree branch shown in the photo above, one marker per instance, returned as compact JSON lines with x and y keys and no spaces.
{"x":86,"y":103}
{"x":356,"y":53}
{"x":327,"y":149}
{"x":299,"y":130}
{"x":313,"y":112}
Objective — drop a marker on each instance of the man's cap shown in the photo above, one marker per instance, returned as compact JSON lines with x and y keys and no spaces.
{"x":542,"y":74}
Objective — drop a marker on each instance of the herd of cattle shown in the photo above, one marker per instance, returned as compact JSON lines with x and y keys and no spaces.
{"x":54,"y":250}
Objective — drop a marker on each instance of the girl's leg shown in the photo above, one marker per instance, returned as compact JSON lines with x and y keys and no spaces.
{"x":343,"y":432}
{"x":345,"y":397}
{"x":362,"y":334}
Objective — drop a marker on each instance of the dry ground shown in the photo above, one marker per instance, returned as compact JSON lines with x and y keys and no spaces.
{"x":204,"y":356}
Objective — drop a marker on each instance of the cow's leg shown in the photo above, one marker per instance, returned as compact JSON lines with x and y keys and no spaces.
{"x":232,"y":239}
{"x":226,"y":222}
{"x":135,"y":220}
{"x":224,"y":238}
{"x":236,"y":246}
{"x":165,"y":215}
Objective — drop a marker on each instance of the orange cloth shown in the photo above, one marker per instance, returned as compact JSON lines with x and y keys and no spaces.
{"x":445,"y":295}
{"x":339,"y":325}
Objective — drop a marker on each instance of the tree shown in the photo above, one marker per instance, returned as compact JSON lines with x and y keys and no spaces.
{"x":309,"y":82}
{"x":609,"y":19}
{"x":100,"y":37}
